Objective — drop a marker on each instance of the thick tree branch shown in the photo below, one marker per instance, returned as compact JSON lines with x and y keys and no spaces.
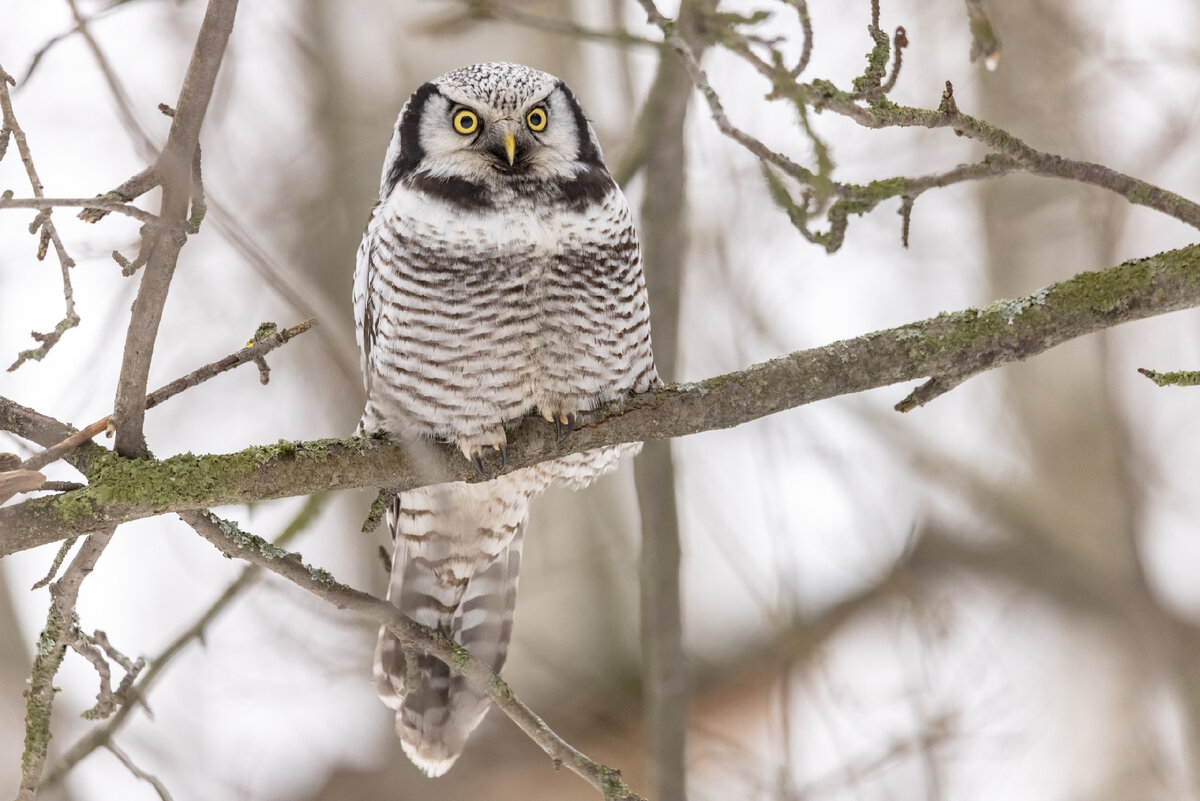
{"x":231,"y":540}
{"x":946,"y":347}
{"x":174,"y":168}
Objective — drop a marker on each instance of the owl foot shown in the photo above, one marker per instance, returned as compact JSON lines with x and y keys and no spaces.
{"x":565,"y":423}
{"x":474,"y":449}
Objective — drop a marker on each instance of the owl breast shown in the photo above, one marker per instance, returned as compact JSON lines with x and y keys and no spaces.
{"x":476,"y":317}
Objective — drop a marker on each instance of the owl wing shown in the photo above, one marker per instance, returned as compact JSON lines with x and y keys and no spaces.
{"x":365,"y":319}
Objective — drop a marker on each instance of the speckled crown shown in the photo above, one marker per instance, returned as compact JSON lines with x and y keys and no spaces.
{"x":498,"y":84}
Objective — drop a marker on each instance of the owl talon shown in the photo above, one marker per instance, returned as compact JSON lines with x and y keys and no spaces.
{"x":503,"y":456}
{"x":565,"y":426}
{"x":477,"y":460}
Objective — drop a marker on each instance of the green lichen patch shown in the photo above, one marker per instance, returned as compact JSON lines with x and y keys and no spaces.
{"x":246,"y":541}
{"x":1106,"y":291}
{"x":321,"y":575}
{"x":1177,"y":378}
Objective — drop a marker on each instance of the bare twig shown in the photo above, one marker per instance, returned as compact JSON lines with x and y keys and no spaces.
{"x":1009,"y":154}
{"x":104,"y":203}
{"x":254,"y":353}
{"x":700,"y":80}
{"x":42,"y":224}
{"x":175,"y":167}
{"x":489,"y":10}
{"x":801,"y":7}
{"x":158,"y":786}
{"x":85,"y":647}
{"x":63,"y":550}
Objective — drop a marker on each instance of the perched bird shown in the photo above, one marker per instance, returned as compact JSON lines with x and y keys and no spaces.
{"x":499,"y":274}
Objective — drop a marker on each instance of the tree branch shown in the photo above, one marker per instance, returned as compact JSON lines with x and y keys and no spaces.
{"x":254,"y":351}
{"x":1009,"y":153}
{"x":52,"y":647}
{"x":231,"y":540}
{"x":234,"y":542}
{"x":174,"y":168}
{"x":113,"y":203}
{"x":102,"y":735}
{"x":42,"y":225}
{"x":949,"y":345}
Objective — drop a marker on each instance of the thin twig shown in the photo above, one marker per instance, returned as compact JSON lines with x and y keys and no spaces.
{"x":700,"y":80}
{"x":1009,"y":154}
{"x":42,"y":223}
{"x":513,"y":15}
{"x":158,"y":786}
{"x":63,"y":550}
{"x":102,"y":202}
{"x":252,"y":353}
{"x":801,"y":7}
{"x":83,"y":645}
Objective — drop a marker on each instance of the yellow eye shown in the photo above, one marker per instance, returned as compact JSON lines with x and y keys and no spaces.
{"x":537,"y":119}
{"x":465,"y":122}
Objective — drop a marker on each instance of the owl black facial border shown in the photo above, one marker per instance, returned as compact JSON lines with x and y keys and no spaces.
{"x":411,"y":151}
{"x":589,"y":185}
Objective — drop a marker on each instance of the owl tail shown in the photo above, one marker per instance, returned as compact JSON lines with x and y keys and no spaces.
{"x":455,"y":563}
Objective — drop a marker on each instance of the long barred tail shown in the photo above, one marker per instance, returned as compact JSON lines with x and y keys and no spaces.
{"x":455,"y":565}
{"x":455,"y":562}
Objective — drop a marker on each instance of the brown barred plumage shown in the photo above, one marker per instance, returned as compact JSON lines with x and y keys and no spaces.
{"x":499,"y":274}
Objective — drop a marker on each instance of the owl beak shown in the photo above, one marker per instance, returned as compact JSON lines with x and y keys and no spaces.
{"x":510,"y":147}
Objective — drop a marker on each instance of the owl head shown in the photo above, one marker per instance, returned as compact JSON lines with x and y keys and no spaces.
{"x":494,"y":128}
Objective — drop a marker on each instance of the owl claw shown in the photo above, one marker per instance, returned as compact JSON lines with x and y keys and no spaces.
{"x":475,"y":448}
{"x":565,"y":425}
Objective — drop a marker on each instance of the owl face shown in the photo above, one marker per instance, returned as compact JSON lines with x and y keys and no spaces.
{"x":494,"y":129}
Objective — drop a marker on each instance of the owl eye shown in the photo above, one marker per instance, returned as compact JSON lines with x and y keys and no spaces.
{"x":465,"y":122}
{"x":537,"y":119}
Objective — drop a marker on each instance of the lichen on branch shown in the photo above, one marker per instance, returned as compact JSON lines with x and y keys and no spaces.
{"x":947,"y":348}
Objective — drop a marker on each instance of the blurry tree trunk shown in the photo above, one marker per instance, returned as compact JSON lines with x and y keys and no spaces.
{"x":664,"y":248}
{"x":15,"y":658}
{"x":1071,"y":428}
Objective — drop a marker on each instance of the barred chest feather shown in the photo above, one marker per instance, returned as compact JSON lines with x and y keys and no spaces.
{"x":478,"y":316}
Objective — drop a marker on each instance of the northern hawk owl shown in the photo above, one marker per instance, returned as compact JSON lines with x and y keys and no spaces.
{"x":499,"y":274}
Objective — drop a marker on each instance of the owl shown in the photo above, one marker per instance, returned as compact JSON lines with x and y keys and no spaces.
{"x":499,"y":275}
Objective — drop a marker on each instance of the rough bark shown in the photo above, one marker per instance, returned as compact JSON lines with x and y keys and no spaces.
{"x":949,"y":347}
